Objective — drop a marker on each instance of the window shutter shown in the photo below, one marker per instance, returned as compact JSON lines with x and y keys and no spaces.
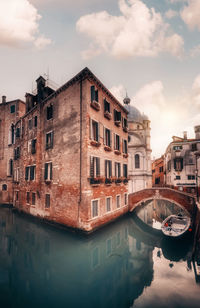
{"x":175,"y":164}
{"x":26,"y":173}
{"x":45,"y":171}
{"x":115,"y":169}
{"x":123,"y":146}
{"x":114,"y":141}
{"x":98,"y":131}
{"x":52,"y":135}
{"x":119,"y":116}
{"x":50,"y":165}
{"x":181,"y":163}
{"x":115,"y":115}
{"x":92,"y":93}
{"x":32,"y":173}
{"x":119,"y":170}
{"x":104,"y":135}
{"x":110,"y":138}
{"x":104,"y":101}
{"x":90,"y":128}
{"x":91,"y":166}
{"x":110,"y":168}
{"x":106,"y":168}
{"x":119,"y":144}
{"x":96,"y":96}
{"x":98,"y":166}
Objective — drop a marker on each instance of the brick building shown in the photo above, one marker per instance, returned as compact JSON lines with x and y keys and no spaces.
{"x":158,"y":177}
{"x":10,"y":112}
{"x":70,"y":154}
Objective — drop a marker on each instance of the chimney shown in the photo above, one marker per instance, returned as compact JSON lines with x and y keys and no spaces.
{"x":185,"y":135}
{"x":3,"y":99}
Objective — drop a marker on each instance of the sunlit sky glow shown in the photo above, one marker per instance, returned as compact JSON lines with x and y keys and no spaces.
{"x":150,"y":48}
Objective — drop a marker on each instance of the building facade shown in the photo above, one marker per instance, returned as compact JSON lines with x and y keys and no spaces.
{"x":182,"y":162}
{"x":158,"y":176}
{"x":139,"y":149}
{"x":10,"y":113}
{"x":70,"y":163}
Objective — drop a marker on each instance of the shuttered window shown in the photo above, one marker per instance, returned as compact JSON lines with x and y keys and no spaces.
{"x":116,"y":142}
{"x":47,"y":200}
{"x":125,"y":147}
{"x":107,"y":137}
{"x":108,"y":168}
{"x":49,"y":140}
{"x":49,"y":111}
{"x":94,"y":167}
{"x":33,"y":146}
{"x":108,"y":204}
{"x":118,"y":201}
{"x":94,"y":94}
{"x":106,"y":106}
{"x":118,"y":170}
{"x":95,"y":205}
{"x":117,"y":115}
{"x":178,"y":164}
{"x":125,"y":170}
{"x":33,"y":198}
{"x":48,"y":171}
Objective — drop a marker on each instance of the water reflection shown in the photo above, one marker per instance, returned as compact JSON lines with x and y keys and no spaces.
{"x":44,"y":267}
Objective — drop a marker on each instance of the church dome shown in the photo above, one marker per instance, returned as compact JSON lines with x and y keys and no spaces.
{"x":134,"y":114}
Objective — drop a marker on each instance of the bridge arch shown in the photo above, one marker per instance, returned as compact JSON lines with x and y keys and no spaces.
{"x":183,"y":200}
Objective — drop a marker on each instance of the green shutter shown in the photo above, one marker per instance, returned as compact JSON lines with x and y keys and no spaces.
{"x":46,"y":171}
{"x":50,"y":165}
{"x":96,"y":96}
{"x":92,"y":93}
{"x":91,"y":166}
{"x":97,"y":166}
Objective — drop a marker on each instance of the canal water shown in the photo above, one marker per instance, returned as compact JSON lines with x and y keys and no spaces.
{"x":126,"y":264}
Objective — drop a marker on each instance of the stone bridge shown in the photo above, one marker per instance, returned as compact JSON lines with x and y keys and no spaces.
{"x":182,"y":199}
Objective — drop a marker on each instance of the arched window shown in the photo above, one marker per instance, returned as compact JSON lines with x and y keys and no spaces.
{"x":4,"y":187}
{"x":137,"y":161}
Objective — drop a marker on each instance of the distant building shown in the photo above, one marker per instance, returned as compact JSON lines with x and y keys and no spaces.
{"x":139,"y":149}
{"x":158,"y":172}
{"x":10,"y":113}
{"x":70,"y":154}
{"x":182,"y":162}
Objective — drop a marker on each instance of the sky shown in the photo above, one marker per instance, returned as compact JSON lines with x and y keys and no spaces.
{"x":149,"y":48}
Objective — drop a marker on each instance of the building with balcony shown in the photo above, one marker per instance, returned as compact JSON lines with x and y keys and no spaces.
{"x":182,"y":162}
{"x":139,"y":149}
{"x":71,"y":154}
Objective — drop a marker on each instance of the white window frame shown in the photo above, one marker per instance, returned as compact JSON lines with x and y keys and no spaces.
{"x":125,"y":199}
{"x":119,"y":201}
{"x":109,"y":197}
{"x":98,"y":202}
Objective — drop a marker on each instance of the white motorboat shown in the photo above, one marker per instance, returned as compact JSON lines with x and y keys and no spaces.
{"x":176,"y":225}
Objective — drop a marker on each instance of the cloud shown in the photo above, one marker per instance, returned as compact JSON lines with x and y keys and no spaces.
{"x":18,"y":23}
{"x":138,"y":31}
{"x":171,"y":13}
{"x":168,"y":116}
{"x":41,"y":42}
{"x":191,"y":14}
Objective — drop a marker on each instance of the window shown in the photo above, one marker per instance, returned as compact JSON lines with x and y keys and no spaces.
{"x":16,"y":174}
{"x":17,"y":153}
{"x":49,"y":140}
{"x":48,"y":171}
{"x":108,"y":169}
{"x":137,"y":161}
{"x":12,"y":109}
{"x":4,"y":187}
{"x":28,"y":197}
{"x":169,"y":165}
{"x":33,"y":146}
{"x":18,"y":132}
{"x":30,"y":124}
{"x":35,"y":121}
{"x":117,"y":116}
{"x":94,"y":167}
{"x":94,"y":130}
{"x":118,"y":170}
{"x":16,"y":195}
{"x":178,"y":164}
{"x":125,"y":199}
{"x":125,"y":123}
{"x":178,"y":177}
{"x":194,"y":147}
{"x":11,"y":136}
{"x":33,"y":198}
{"x":177,"y":147}
{"x":125,"y":170}
{"x":108,"y":204}
{"x":107,"y":137}
{"x":160,"y":169}
{"x":117,"y":142}
{"x":95,"y":205}
{"x":10,"y":167}
{"x":94,"y":94}
{"x":49,"y":112}
{"x":125,"y":147}
{"x":118,"y":201}
{"x":47,"y":201}
{"x":191,"y":177}
{"x":30,"y":173}
{"x":106,"y":106}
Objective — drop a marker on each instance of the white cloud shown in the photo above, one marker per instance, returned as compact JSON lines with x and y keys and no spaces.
{"x":41,"y":42}
{"x":18,"y":22}
{"x":196,"y":91}
{"x":119,"y":92}
{"x":191,"y":14}
{"x":138,"y":31}
{"x":171,"y":13}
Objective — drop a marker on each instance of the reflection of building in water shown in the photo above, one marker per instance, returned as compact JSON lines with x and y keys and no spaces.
{"x":45,"y":267}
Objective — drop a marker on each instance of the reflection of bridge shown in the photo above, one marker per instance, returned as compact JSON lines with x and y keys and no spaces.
{"x":184,"y":200}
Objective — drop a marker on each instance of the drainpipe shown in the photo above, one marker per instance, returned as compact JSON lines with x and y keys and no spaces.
{"x":80,"y":175}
